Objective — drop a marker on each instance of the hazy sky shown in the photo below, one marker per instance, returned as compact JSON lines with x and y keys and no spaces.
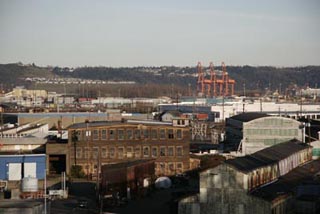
{"x":160,"y":32}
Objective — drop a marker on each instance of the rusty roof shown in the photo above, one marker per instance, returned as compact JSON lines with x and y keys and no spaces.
{"x":267,"y":156}
{"x":287,"y":184}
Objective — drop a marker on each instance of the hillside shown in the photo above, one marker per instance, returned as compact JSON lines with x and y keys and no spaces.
{"x":165,"y":77}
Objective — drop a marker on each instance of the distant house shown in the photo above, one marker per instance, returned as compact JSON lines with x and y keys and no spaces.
{"x":168,"y":116}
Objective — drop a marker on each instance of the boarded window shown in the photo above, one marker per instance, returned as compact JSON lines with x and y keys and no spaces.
{"x":79,"y":152}
{"x":137,"y":134}
{"x":111,"y":134}
{"x":146,"y":151}
{"x":129,"y":152}
{"x":112,"y":152}
{"x":120,"y":152}
{"x":104,"y":152}
{"x":162,"y":134}
{"x":154,"y":134}
{"x":103,"y":134}
{"x":179,"y":133}
{"x":179,"y":151}
{"x":155,"y":152}
{"x":120,"y":134}
{"x":96,"y":134}
{"x":162,"y":151}
{"x":171,"y":151}
{"x":95,"y":153}
{"x":129,"y":134}
{"x":137,"y":152}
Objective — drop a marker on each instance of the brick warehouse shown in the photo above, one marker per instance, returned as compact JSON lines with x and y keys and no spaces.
{"x":101,"y":143}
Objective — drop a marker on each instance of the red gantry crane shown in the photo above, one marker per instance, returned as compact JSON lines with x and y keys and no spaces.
{"x":219,"y":84}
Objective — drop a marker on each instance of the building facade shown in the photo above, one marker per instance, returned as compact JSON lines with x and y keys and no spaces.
{"x":101,"y":143}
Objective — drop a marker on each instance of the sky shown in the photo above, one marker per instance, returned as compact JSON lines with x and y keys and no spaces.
{"x":121,"y":33}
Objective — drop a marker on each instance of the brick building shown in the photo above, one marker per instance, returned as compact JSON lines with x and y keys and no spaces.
{"x":100,"y":143}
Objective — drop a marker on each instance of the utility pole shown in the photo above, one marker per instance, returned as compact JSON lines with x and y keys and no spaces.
{"x":88,"y":154}
{"x":74,"y":139}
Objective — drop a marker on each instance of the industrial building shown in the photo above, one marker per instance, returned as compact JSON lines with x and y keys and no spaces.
{"x":114,"y":142}
{"x":251,"y":132}
{"x":16,"y":167}
{"x":272,"y":180}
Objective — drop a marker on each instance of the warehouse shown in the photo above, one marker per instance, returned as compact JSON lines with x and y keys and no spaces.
{"x":263,"y":182}
{"x":251,"y":132}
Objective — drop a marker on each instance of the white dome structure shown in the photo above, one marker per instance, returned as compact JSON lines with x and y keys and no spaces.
{"x":163,"y":182}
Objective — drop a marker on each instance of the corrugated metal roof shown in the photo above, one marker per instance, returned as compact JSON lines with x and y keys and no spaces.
{"x":267,"y":156}
{"x":289,"y":182}
{"x":246,"y":117}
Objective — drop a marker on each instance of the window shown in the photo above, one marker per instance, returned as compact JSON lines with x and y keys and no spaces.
{"x":154,"y":152}
{"x":80,"y":135}
{"x":96,"y":134}
{"x":179,"y":167}
{"x":179,"y":151}
{"x":95,"y":153}
{"x":146,"y":133}
{"x":120,"y":152}
{"x":79,"y":152}
{"x":104,"y":152}
{"x":137,"y":134}
{"x":103,"y":134}
{"x":86,"y":153}
{"x":171,"y":167}
{"x":112,"y":152}
{"x":120,"y":134}
{"x":162,"y":167}
{"x":154,"y":134}
{"x":162,"y":151}
{"x":129,"y":134}
{"x":170,"y":134}
{"x":162,"y":134}
{"x":111,"y":134}
{"x":170,"y":151}
{"x":179,"y":133}
{"x":146,"y":151}
{"x":137,"y":152}
{"x":129,"y":152}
